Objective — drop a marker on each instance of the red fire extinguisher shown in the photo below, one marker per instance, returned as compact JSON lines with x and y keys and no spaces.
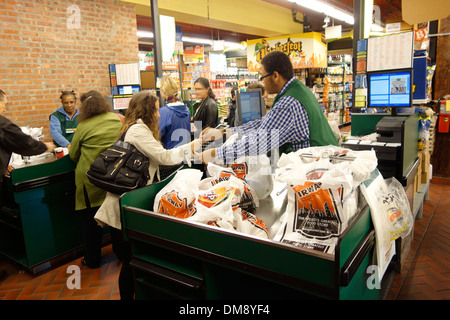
{"x":444,"y":115}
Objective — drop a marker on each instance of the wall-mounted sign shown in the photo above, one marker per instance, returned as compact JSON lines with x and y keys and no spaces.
{"x":306,"y":50}
{"x":193,"y":55}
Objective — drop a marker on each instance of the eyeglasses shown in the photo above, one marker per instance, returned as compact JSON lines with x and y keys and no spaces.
{"x":266,"y":75}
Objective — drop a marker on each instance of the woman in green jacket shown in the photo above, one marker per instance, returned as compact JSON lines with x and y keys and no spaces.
{"x":98,"y":128}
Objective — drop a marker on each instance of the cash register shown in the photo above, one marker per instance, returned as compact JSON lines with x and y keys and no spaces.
{"x":395,"y":146}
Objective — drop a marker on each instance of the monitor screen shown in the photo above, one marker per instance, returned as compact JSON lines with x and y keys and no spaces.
{"x":390,"y":89}
{"x":250,"y":106}
{"x":120,"y":103}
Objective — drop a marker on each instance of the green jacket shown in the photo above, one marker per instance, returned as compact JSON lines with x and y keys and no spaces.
{"x":320,"y":133}
{"x":93,"y":136}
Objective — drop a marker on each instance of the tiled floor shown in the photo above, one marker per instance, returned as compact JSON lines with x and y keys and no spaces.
{"x":95,"y":284}
{"x":426,"y":274}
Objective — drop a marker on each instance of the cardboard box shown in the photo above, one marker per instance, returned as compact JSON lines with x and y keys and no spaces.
{"x":425,"y":160}
{"x":418,"y":178}
{"x":425,"y":176}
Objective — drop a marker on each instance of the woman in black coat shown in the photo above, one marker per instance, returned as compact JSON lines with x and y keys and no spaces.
{"x":207,"y":112}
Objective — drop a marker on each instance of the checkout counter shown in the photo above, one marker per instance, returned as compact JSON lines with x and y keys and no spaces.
{"x":396,"y":149}
{"x":174,"y":258}
{"x":177,"y":259}
{"x":38,"y":224}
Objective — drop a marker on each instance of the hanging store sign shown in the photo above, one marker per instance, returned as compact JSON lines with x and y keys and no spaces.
{"x":167,"y":37}
{"x":193,"y":55}
{"x":178,"y":39}
{"x":148,"y":62}
{"x":306,"y":50}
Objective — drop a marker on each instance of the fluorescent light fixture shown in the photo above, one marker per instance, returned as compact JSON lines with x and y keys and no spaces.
{"x":326,"y":9}
{"x":197,"y":40}
{"x":234,"y":46}
{"x":144,"y":34}
{"x":227,"y":44}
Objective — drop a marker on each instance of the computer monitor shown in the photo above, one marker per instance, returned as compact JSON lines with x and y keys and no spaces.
{"x":250,"y":106}
{"x":390,"y":89}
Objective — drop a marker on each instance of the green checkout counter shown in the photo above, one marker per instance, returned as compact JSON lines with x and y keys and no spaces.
{"x":173,"y":258}
{"x":177,"y":259}
{"x":38,"y":223}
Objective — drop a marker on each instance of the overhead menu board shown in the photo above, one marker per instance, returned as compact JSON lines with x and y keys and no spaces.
{"x":390,"y":52}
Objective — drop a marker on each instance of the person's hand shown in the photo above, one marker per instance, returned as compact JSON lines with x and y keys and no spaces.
{"x":68,"y":146}
{"x":211,"y":134}
{"x":50,"y":146}
{"x":196,"y":145}
{"x":207,"y":155}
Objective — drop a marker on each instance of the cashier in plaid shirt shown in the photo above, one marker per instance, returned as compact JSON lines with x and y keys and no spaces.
{"x":295,"y":121}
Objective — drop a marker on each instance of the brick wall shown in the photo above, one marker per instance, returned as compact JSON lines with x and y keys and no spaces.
{"x":48,"y":46}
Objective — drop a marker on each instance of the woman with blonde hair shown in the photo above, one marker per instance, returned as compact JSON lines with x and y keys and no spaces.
{"x":141,"y":130}
{"x":175,"y":121}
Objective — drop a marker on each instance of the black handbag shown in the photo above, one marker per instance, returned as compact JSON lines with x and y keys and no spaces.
{"x":120,"y":168}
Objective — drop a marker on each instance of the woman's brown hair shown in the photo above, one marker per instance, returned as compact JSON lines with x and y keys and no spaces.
{"x":205,"y":84}
{"x":93,"y":103}
{"x":142,"y":106}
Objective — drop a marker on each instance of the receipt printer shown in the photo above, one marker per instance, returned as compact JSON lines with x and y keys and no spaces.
{"x":396,"y":146}
{"x":391,"y":129}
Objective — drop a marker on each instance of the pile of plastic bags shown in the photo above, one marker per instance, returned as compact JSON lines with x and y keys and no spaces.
{"x":224,"y":199}
{"x":322,"y":194}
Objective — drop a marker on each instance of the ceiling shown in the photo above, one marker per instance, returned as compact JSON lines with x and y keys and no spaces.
{"x":390,"y":10}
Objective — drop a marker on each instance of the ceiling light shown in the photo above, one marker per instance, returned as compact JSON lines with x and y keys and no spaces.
{"x":326,"y":9}
{"x":144,"y":34}
{"x":197,"y":40}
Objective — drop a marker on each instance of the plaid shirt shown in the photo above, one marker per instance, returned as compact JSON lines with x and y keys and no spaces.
{"x":287,"y":121}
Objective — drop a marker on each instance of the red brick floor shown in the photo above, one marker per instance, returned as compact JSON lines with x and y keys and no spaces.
{"x":95,"y":284}
{"x":425,"y":276}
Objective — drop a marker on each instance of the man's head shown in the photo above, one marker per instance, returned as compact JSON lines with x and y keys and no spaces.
{"x":276,"y":69}
{"x":3,"y":101}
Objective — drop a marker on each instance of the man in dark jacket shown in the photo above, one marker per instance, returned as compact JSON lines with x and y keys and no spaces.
{"x":12,"y":139}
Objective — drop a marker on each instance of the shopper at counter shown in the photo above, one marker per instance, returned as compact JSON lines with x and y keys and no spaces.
{"x":12,"y":139}
{"x":98,"y":128}
{"x":295,"y":120}
{"x":142,"y":130}
{"x":63,"y":122}
{"x":207,"y":113}
{"x":232,"y":107}
{"x":175,"y":120}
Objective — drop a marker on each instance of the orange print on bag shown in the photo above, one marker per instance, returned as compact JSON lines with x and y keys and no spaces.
{"x":170,"y":204}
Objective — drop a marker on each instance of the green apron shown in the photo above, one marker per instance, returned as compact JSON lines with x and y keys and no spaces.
{"x":68,"y":127}
{"x":320,"y":133}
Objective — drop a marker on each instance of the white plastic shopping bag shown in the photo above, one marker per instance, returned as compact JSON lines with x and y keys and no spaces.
{"x":322,"y":194}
